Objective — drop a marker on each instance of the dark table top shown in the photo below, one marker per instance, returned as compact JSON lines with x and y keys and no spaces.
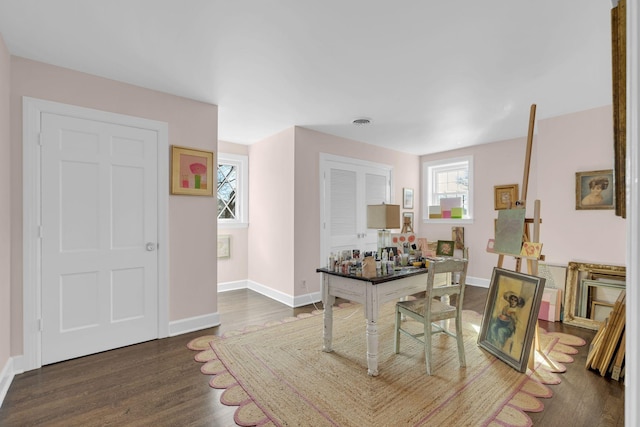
{"x":397,"y":274}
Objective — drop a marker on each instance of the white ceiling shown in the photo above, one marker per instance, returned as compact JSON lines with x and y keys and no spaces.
{"x":432,"y":76}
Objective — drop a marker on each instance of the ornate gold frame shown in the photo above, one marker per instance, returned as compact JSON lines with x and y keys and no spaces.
{"x":577,"y":271}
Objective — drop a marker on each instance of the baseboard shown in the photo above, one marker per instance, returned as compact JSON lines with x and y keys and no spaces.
{"x":191,"y":324}
{"x":306,"y":299}
{"x":6,"y":377}
{"x":476,"y":281}
{"x":271,"y":293}
{"x":232,"y":286}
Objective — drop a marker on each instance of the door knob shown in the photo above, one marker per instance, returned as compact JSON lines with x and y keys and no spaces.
{"x":151,"y":246}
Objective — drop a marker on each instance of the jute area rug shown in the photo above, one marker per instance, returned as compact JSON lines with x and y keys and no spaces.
{"x":278,"y":375}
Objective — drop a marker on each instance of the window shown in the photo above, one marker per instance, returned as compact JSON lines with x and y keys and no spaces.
{"x":232,"y":180}
{"x":447,"y":179}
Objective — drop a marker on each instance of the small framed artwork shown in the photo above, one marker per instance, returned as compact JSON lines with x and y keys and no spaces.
{"x":445,"y":248}
{"x":531,"y":250}
{"x":505,"y":196}
{"x":224,"y":246}
{"x":191,"y":171}
{"x":594,"y":190}
{"x":510,"y":316}
{"x":407,"y":198}
{"x":457,"y":234}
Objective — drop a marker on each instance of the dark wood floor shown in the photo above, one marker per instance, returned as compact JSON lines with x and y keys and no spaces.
{"x":158,"y":383}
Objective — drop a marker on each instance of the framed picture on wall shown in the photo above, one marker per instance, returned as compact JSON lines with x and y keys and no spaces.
{"x":510,"y":316}
{"x":407,"y":198}
{"x":505,"y":196}
{"x":191,"y":171}
{"x":224,"y":246}
{"x":594,"y":190}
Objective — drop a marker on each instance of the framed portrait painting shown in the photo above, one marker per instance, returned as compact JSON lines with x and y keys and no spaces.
{"x":510,"y":316}
{"x":191,"y":171}
{"x":595,"y":190}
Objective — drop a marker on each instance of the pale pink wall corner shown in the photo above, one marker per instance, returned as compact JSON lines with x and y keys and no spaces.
{"x":271,"y":212}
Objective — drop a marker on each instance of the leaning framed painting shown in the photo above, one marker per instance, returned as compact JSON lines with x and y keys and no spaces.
{"x":191,"y":171}
{"x":594,"y":190}
{"x":445,"y":248}
{"x":510,"y":316}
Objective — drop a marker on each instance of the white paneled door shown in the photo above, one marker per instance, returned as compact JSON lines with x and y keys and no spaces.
{"x":99,"y":280}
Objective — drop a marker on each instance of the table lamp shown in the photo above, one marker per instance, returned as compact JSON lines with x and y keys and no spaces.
{"x":383,"y":218}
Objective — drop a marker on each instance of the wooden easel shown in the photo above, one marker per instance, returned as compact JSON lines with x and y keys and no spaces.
{"x":406,"y":226}
{"x":532,"y":263}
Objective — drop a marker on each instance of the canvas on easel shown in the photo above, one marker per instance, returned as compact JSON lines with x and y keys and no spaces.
{"x":509,"y":231}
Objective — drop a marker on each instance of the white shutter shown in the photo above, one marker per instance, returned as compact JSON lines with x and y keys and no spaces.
{"x":343,"y":211}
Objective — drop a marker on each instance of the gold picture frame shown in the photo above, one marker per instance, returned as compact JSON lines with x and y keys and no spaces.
{"x":191,"y":171}
{"x":576,"y":273}
{"x":505,"y":196}
{"x":595,"y":190}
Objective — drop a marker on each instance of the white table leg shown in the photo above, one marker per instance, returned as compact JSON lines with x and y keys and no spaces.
{"x":327,"y":332}
{"x":372,"y":348}
{"x":327,"y":301}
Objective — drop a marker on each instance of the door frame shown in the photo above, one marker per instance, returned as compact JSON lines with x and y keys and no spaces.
{"x":32,"y":108}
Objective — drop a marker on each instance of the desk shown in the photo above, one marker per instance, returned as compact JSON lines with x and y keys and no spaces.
{"x":372,"y":293}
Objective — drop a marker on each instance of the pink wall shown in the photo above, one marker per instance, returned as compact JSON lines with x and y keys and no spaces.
{"x":569,"y":144}
{"x":5,"y":204}
{"x":498,"y":163}
{"x":192,"y":228}
{"x":562,"y":146}
{"x":308,"y":146}
{"x":271,"y":212}
{"x":234,"y":268}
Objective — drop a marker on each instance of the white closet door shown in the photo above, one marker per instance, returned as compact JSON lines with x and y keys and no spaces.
{"x":348,"y":188}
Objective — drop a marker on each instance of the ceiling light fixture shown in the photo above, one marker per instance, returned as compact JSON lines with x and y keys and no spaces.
{"x":362,"y":121}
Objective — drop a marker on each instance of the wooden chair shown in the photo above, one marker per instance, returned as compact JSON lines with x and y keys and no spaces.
{"x":429,"y":310}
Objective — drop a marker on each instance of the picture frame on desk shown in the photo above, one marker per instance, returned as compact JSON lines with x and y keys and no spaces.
{"x":445,"y":248}
{"x":510,"y":316}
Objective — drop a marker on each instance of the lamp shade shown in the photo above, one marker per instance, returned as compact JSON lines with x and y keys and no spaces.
{"x":383,"y":216}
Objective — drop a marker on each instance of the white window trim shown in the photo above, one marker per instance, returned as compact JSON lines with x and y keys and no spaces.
{"x":242,"y":164}
{"x":426,"y":188}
